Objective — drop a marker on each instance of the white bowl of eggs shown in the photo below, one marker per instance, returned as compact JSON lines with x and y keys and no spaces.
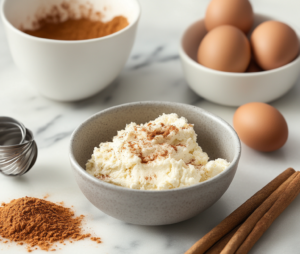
{"x":233,"y":57}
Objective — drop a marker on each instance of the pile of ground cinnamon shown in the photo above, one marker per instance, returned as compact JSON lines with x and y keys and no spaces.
{"x":37,"y":222}
{"x":87,"y":25}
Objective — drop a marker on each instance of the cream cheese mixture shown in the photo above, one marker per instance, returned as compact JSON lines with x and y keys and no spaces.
{"x":159,"y":155}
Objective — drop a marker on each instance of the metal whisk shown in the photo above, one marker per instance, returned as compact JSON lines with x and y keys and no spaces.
{"x":18,"y":150}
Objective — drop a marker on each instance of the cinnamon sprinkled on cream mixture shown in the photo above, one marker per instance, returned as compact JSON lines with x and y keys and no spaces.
{"x":159,"y":155}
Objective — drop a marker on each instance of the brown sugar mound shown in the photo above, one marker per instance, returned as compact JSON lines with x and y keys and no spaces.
{"x":38,"y":222}
{"x":72,"y":20}
{"x":78,"y":29}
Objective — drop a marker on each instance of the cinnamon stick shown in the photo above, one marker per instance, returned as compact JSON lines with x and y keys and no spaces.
{"x":265,"y":222}
{"x":238,"y":238}
{"x":239,"y":215}
{"x":219,"y":246}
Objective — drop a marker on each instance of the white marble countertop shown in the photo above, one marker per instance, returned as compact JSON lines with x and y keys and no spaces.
{"x":153,"y":72}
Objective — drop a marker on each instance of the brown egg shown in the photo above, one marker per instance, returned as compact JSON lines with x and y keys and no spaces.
{"x":260,"y":126}
{"x":225,"y":48}
{"x":237,"y":13}
{"x":274,"y":44}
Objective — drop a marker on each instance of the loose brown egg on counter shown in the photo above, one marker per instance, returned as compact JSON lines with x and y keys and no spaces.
{"x":237,"y":13}
{"x":225,"y":48}
{"x":274,"y":44}
{"x":260,"y":126}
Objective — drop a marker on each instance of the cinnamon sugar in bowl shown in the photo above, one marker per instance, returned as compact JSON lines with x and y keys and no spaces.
{"x":72,"y":67}
{"x":153,"y":207}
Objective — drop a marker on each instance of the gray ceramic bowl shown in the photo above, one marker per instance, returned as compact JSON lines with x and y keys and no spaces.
{"x":215,"y":136}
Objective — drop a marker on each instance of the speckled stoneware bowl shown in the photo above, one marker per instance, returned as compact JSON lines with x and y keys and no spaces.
{"x":215,"y":136}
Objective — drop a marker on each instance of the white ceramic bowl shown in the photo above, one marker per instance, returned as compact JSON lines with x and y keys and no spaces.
{"x":146,"y":207}
{"x":69,"y":70}
{"x":233,"y":89}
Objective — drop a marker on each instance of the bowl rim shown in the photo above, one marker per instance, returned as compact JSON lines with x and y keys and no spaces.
{"x":233,"y":164}
{"x":21,"y":33}
{"x":190,"y":61}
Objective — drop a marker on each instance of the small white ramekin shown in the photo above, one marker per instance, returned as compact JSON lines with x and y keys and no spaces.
{"x":228,"y":88}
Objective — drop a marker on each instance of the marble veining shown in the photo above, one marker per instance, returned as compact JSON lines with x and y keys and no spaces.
{"x":152,"y":58}
{"x":153,"y":72}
